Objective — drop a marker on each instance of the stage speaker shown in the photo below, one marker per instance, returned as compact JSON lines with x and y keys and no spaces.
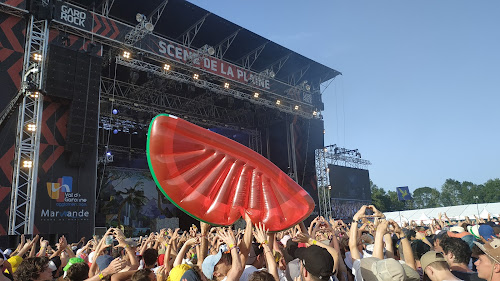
{"x":41,"y":10}
{"x":75,"y":75}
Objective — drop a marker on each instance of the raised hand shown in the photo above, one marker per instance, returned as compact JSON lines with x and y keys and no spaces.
{"x":260,"y":233}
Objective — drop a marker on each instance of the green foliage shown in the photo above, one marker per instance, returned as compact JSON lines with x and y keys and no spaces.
{"x":452,"y":193}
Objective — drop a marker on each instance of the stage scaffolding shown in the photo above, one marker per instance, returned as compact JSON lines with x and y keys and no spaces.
{"x":333,"y":155}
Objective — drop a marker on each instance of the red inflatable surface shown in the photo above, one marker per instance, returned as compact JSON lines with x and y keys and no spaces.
{"x":217,"y":180}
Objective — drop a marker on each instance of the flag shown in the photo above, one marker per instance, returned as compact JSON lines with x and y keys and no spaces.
{"x":403,"y":193}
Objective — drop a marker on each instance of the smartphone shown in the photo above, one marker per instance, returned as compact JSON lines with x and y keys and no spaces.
{"x":109,"y":240}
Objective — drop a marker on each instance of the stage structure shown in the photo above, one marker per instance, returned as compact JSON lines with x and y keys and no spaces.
{"x":85,"y":78}
{"x":327,"y":158}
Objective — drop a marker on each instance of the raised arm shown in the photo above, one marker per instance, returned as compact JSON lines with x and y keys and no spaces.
{"x":353,"y":234}
{"x":407,"y":252}
{"x":260,"y":234}
{"x":234,"y":273}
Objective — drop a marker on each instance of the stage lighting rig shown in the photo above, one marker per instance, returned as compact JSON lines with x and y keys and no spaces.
{"x":226,"y":85}
{"x":256,"y":95}
{"x":126,"y":54}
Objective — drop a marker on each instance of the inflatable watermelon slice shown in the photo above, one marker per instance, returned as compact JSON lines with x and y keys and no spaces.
{"x":216,"y":180}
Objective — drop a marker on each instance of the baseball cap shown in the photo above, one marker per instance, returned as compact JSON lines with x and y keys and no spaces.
{"x":486,"y":231}
{"x":375,"y":269}
{"x":474,"y":230}
{"x":430,"y":257}
{"x":72,"y":261}
{"x":209,"y":263}
{"x":190,"y":275}
{"x":491,"y":249}
{"x":255,"y":250}
{"x":103,"y":261}
{"x":177,"y":272}
{"x":316,"y":260}
{"x":469,"y":239}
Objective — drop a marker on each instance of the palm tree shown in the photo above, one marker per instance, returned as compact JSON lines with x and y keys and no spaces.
{"x":133,"y":196}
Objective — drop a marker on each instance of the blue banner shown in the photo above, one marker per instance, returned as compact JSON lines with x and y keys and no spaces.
{"x":403,"y":193}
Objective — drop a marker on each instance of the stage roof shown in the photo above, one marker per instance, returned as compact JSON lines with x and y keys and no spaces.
{"x":180,"y":15}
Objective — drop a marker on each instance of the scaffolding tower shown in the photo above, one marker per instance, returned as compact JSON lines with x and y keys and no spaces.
{"x":24,"y":178}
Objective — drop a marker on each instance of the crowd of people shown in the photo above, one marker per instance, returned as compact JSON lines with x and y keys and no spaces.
{"x":368,"y":247}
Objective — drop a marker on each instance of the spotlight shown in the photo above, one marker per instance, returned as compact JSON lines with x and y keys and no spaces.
{"x":226,"y":85}
{"x":308,"y":88}
{"x":108,"y":153}
{"x":315,"y":113}
{"x":140,"y":17}
{"x":324,"y":131}
{"x":115,"y":111}
{"x":325,"y":149}
{"x":115,"y":131}
{"x":31,"y":127}
{"x":256,"y":95}
{"x":34,"y":94}
{"x":272,"y":74}
{"x":27,"y":164}
{"x":211,"y":51}
{"x":166,"y":67}
{"x":37,"y":57}
{"x":196,"y":76}
{"x":330,"y":187}
{"x":278,"y":102}
{"x":149,"y":26}
{"x":296,"y":107}
{"x":126,"y":54}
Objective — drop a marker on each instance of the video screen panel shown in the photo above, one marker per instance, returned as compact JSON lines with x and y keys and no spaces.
{"x":349,"y":183}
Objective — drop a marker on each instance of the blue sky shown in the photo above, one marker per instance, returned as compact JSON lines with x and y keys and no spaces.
{"x":420,"y":90}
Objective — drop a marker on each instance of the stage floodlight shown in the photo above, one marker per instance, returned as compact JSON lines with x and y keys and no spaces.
{"x":226,"y":85}
{"x":140,"y":17}
{"x":272,"y":74}
{"x":126,"y":54}
{"x":324,"y":131}
{"x":34,"y":94}
{"x":308,"y":88}
{"x":196,"y":76}
{"x":278,"y":102}
{"x":27,"y":164}
{"x":166,"y":67}
{"x":37,"y":57}
{"x":211,"y":51}
{"x":256,"y":95}
{"x":149,"y":26}
{"x":31,"y":127}
{"x":296,"y":107}
{"x":325,"y":149}
{"x":330,"y":187}
{"x":315,"y":113}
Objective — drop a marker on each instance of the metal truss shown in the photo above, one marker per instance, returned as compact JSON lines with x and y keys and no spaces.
{"x":323,"y":183}
{"x":223,"y":46}
{"x":345,"y":157}
{"x":106,"y":7}
{"x":255,"y":142}
{"x":24,"y":179}
{"x":155,"y":101}
{"x":189,"y":35}
{"x":145,"y":26}
{"x":249,"y":59}
{"x":277,"y":65}
{"x":295,"y":77}
{"x":11,"y":10}
{"x":180,"y":77}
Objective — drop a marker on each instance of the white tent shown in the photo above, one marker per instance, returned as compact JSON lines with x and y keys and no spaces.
{"x":453,"y":212}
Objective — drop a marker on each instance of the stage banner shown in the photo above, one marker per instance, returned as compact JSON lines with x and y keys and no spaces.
{"x":20,"y":4}
{"x":65,"y":198}
{"x":91,"y":22}
{"x":11,"y":64}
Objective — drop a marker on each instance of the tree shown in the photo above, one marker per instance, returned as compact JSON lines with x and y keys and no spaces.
{"x":133,"y":196}
{"x":395,"y":204}
{"x":450,"y":193}
{"x":380,"y":198}
{"x":490,"y":192}
{"x":426,"y":197}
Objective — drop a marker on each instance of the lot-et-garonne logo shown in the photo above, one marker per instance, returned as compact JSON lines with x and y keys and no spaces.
{"x":57,"y":190}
